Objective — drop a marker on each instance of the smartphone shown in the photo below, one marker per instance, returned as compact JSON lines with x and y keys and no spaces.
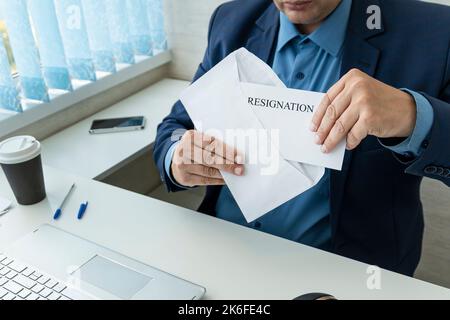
{"x":117,"y":125}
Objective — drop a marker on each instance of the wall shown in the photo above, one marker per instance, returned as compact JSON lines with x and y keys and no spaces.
{"x":187,"y":24}
{"x":435,"y":263}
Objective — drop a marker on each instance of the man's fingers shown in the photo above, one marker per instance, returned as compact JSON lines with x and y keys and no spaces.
{"x":196,"y":155}
{"x":204,"y":171}
{"x":319,"y":113}
{"x":334,"y":111}
{"x":326,"y":101}
{"x":198,"y":138}
{"x":199,"y":156}
{"x":225,"y":151}
{"x":195,"y":180}
{"x":340,"y":129}
{"x":356,"y":135}
{"x":215,"y":146}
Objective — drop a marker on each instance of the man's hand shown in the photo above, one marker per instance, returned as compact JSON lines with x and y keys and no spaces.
{"x":359,"y":105}
{"x":198,"y":159}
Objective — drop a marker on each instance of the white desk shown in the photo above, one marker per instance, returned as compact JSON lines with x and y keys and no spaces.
{"x":232,"y":262}
{"x":95,"y":156}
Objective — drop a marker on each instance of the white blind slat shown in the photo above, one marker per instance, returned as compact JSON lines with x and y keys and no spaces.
{"x":119,"y":30}
{"x":9,"y":97}
{"x":73,"y":31}
{"x":24,"y":48}
{"x":140,"y":36}
{"x":51,"y":49}
{"x":156,"y":19}
{"x":98,"y":33}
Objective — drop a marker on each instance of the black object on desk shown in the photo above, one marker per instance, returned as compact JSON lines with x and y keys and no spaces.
{"x":315,"y":296}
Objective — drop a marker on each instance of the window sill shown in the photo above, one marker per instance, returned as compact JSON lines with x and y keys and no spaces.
{"x":15,"y":122}
{"x":74,"y":150}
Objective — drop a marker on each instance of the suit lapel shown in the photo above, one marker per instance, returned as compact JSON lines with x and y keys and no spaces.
{"x":262,"y":39}
{"x":359,"y":54}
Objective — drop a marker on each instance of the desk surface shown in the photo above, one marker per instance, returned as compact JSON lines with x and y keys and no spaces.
{"x":232,"y":262}
{"x":71,"y":149}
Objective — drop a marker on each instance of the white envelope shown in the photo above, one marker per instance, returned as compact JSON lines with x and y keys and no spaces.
{"x":216,"y":103}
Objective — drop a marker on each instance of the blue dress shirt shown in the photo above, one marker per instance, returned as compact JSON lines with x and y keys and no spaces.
{"x":312,"y":62}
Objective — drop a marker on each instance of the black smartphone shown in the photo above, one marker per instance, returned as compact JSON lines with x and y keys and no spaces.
{"x":117,"y":125}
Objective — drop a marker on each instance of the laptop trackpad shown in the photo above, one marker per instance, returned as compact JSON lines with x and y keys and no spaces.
{"x":112,"y":277}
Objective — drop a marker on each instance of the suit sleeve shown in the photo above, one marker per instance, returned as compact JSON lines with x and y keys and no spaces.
{"x":178,"y":122}
{"x":434,"y":162}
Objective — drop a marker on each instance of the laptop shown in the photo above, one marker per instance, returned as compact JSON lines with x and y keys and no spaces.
{"x":51,"y":264}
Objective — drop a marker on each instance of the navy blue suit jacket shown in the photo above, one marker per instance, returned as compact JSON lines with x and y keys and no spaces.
{"x":376,"y":212}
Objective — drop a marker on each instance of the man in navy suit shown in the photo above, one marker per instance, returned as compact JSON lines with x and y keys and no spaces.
{"x":385,"y":66}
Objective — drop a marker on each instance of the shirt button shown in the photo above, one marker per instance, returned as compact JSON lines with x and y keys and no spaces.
{"x":425,"y":144}
{"x":258,"y":225}
{"x":300,"y":76}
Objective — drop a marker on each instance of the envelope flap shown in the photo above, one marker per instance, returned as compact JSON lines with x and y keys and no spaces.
{"x":253,"y":70}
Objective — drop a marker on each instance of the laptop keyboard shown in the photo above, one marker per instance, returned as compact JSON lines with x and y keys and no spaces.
{"x":21,"y":282}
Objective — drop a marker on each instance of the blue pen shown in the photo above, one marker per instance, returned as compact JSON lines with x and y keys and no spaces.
{"x":58,"y":212}
{"x":82,"y":210}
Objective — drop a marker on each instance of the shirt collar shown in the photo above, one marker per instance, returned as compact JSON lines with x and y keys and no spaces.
{"x":330,"y":35}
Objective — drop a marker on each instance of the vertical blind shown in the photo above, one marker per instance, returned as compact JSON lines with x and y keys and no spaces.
{"x":55,"y":42}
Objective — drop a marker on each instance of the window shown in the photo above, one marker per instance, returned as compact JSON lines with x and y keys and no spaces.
{"x":50,"y":48}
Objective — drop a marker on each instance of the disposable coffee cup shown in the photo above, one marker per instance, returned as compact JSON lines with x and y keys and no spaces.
{"x":20,"y":159}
